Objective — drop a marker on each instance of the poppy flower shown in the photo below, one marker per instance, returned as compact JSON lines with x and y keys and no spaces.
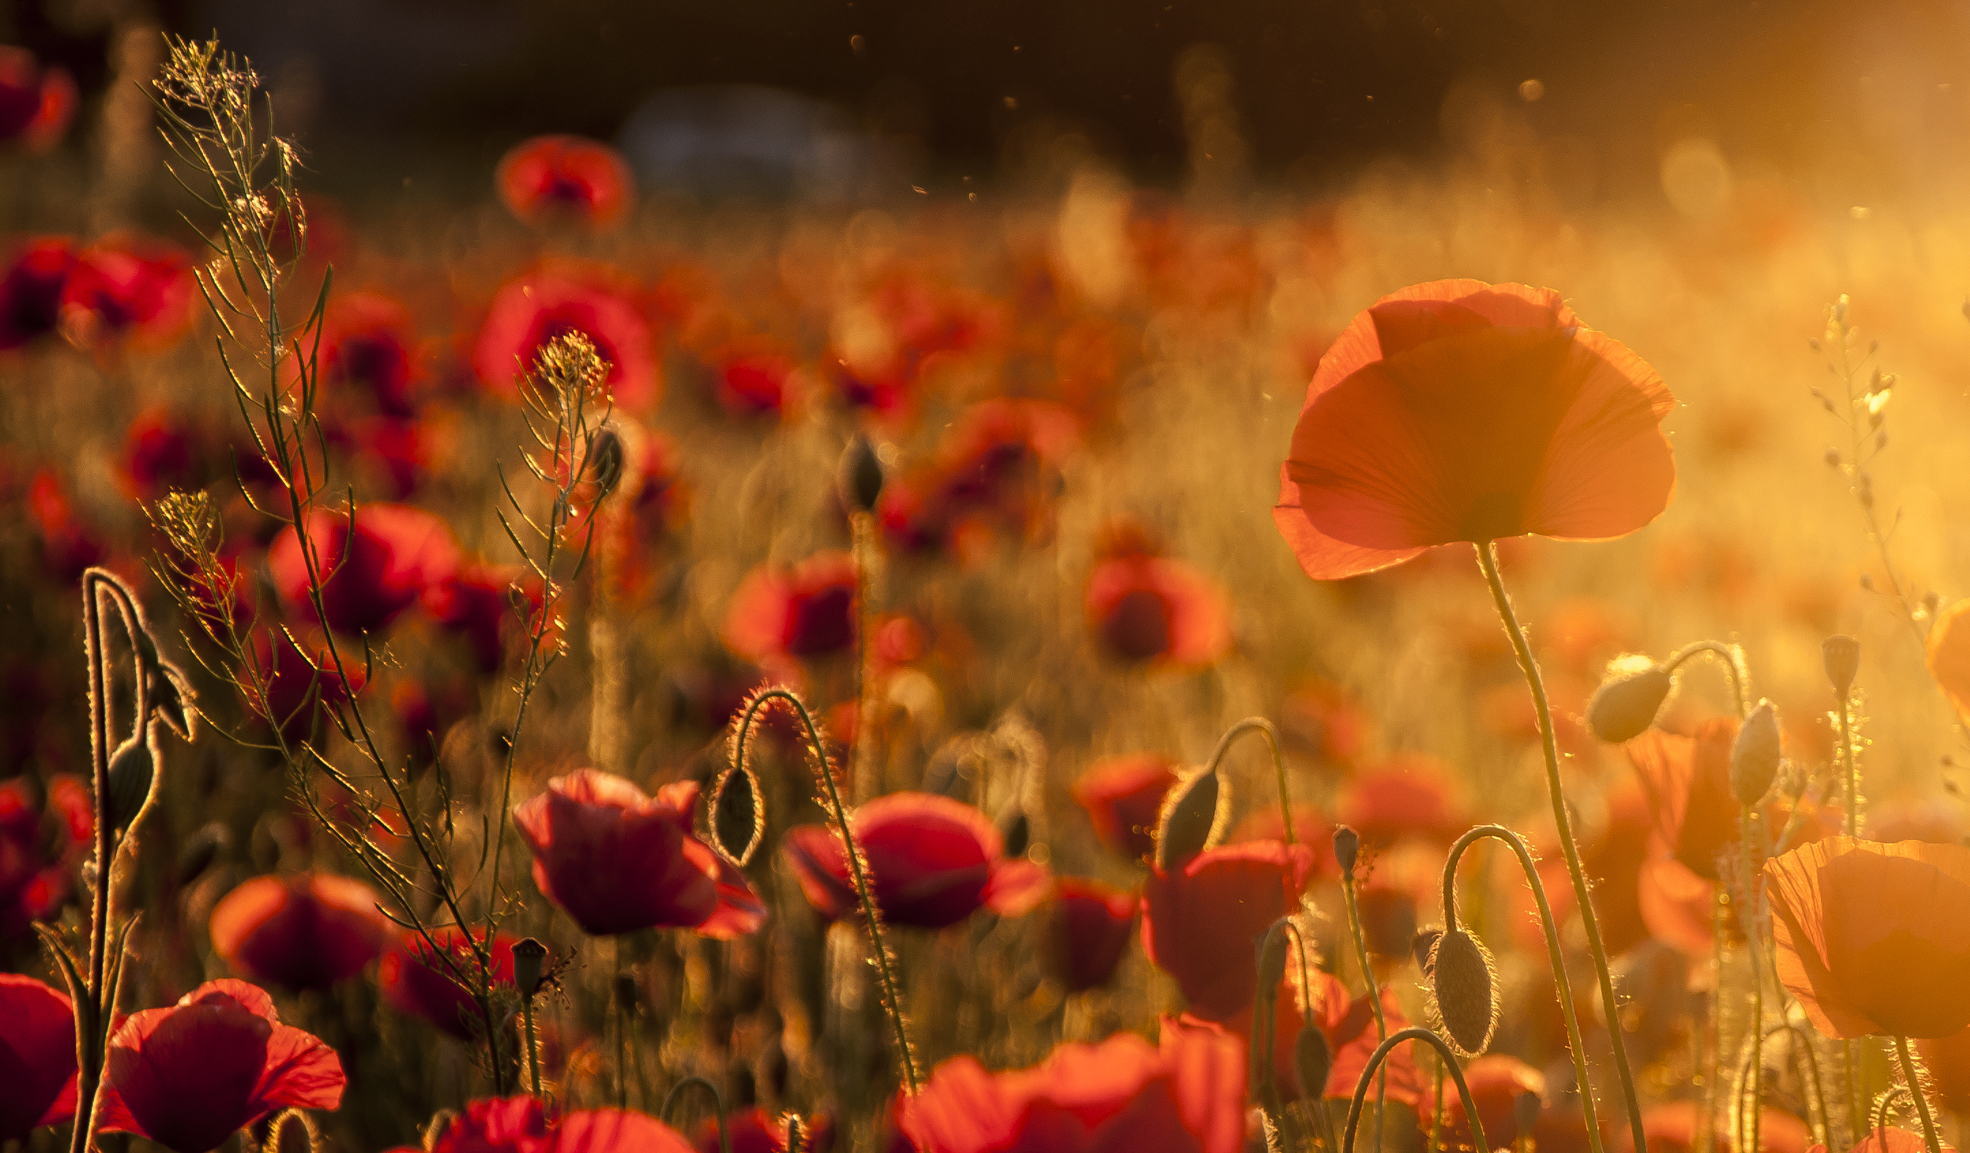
{"x":1186,"y":1096}
{"x":1874,"y":938}
{"x":297,"y":688}
{"x":37,"y":1057}
{"x":1152,"y":610}
{"x":756,"y":1131}
{"x":374,"y":567}
{"x":305,"y":931}
{"x":1202,"y":923}
{"x":526,"y":1125}
{"x":1687,"y":781}
{"x":528,"y":312}
{"x":44,"y":835}
{"x":935,"y":861}
{"x":1949,"y":654}
{"x":130,"y":288}
{"x":617,"y":860}
{"x":1408,"y":796}
{"x":31,"y":289}
{"x":418,"y":983}
{"x":803,"y":612}
{"x":368,"y":350}
{"x":69,"y":542}
{"x":1498,"y":1084}
{"x":754,"y":383}
{"x":1123,"y":797}
{"x":1092,"y":926}
{"x":1463,"y":411}
{"x":551,"y":178}
{"x":36,"y":100}
{"x":191,"y":1075}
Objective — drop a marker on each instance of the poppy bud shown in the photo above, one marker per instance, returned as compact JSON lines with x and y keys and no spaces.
{"x":291,"y":1131}
{"x":1313,"y":1060}
{"x":1347,"y":847}
{"x":1423,"y":945}
{"x":738,"y":820}
{"x":1755,"y":755}
{"x":1842,"y":657}
{"x":607,"y":456}
{"x":860,"y":478}
{"x":1463,"y":991}
{"x":1625,"y":705}
{"x":529,"y":958}
{"x":1193,"y":818}
{"x":1016,"y":832}
{"x":170,"y":701}
{"x":200,"y":852}
{"x":132,"y":771}
{"x":796,"y":1133}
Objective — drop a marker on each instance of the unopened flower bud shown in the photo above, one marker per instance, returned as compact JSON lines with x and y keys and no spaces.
{"x":861,"y":475}
{"x":1463,"y":991}
{"x":1193,"y":817}
{"x":1347,"y":847}
{"x":1423,"y":944}
{"x":607,"y":458}
{"x":1625,"y":705}
{"x":1313,"y":1061}
{"x":1016,"y":832}
{"x":1841,"y":656}
{"x":132,"y":772}
{"x":529,"y":965}
{"x":1755,"y":755}
{"x":738,"y":820}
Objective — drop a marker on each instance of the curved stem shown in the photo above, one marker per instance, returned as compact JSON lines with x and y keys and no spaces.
{"x":1914,"y":1077}
{"x":1727,"y":655}
{"x":1754,"y":1084}
{"x":1555,"y":955}
{"x":1360,"y":937}
{"x":858,"y":870}
{"x":1381,"y":1055}
{"x":1270,"y":732}
{"x":1487,"y":555}
{"x":717,"y":1107}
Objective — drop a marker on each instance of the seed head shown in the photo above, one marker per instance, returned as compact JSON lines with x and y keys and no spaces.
{"x":1347,"y":848}
{"x":1841,"y":655}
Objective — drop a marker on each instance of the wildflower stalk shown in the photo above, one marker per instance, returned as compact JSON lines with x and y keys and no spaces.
{"x":863,"y":773}
{"x":1379,"y":1058}
{"x":676,"y":1094}
{"x":532,"y":1041}
{"x":1912,"y":1073}
{"x":1272,"y":957}
{"x":1270,"y":732}
{"x":1360,"y":938}
{"x":858,"y":869}
{"x":1726,"y":655}
{"x":1751,"y":1088}
{"x":1555,"y":955}
{"x":1487,"y":555}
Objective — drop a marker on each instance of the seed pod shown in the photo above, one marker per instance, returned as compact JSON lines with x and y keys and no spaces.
{"x":132,"y":772}
{"x":608,"y":456}
{"x":1193,"y":818}
{"x":738,"y":819}
{"x":861,"y":476}
{"x":529,"y":965}
{"x":1755,"y":755}
{"x":1347,"y":848}
{"x":1463,"y":988}
{"x":1841,"y":655}
{"x":1625,"y":705}
{"x":1313,"y":1060}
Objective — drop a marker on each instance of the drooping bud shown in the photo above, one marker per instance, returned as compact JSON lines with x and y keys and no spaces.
{"x":738,"y":819}
{"x":200,"y":851}
{"x":132,"y":772}
{"x":1841,"y":656}
{"x":1463,"y":987}
{"x":1347,"y":848}
{"x":529,"y":965}
{"x":1313,"y":1060}
{"x":1423,"y":945}
{"x":292,"y":1131}
{"x":1755,"y":755}
{"x":796,"y":1133}
{"x":1626,"y":704}
{"x":1193,"y":818}
{"x":861,"y":476}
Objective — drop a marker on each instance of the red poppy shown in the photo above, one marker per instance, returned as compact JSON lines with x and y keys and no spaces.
{"x":190,"y":1076}
{"x":529,"y":312}
{"x":304,"y":931}
{"x":69,"y":542}
{"x":526,"y":1125}
{"x":1152,"y":610}
{"x":43,"y":838}
{"x":1687,"y":781}
{"x":754,"y":383}
{"x":418,"y":983}
{"x":1123,"y":797}
{"x":31,"y":289}
{"x":373,"y":567}
{"x":1202,"y":923}
{"x":1874,"y":938}
{"x":1463,"y":411}
{"x":552,"y":178}
{"x":1185,"y":1097}
{"x":1410,"y":795}
{"x":369,"y":350}
{"x":1498,"y":1083}
{"x":617,"y":860}
{"x":130,"y":288}
{"x":164,"y":450}
{"x":476,"y":605}
{"x":36,"y":100}
{"x":935,"y":861}
{"x":37,"y":1057}
{"x":297,"y":687}
{"x":756,"y":1131}
{"x":1092,"y":926}
{"x":803,"y":612}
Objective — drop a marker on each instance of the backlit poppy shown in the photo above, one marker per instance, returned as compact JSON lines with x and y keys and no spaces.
{"x":418,"y":983}
{"x":528,"y":312}
{"x":1463,"y":411}
{"x":1687,"y":781}
{"x":299,"y":931}
{"x":801,"y":612}
{"x":551,"y":178}
{"x":527,"y":1125}
{"x":1874,"y":938}
{"x":757,"y":1131}
{"x":1949,"y":654}
{"x":935,"y":861}
{"x":1123,"y":797}
{"x":130,"y":288}
{"x":1092,"y":926}
{"x":372,"y":567}
{"x":1410,"y":795}
{"x":31,"y":289}
{"x":1152,"y":610}
{"x":1676,"y":1127}
{"x":1499,"y":1085}
{"x":36,"y":100}
{"x":1185,"y":1097}
{"x":190,"y":1076}
{"x":1202,"y":923}
{"x":368,"y":350}
{"x":37,"y":1057}
{"x":617,"y":860}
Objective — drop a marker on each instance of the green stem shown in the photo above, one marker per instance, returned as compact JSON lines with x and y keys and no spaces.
{"x":1726,"y":655}
{"x":1915,"y":1090}
{"x":1266,"y":729}
{"x":1379,"y":1058}
{"x":533,"y":1042}
{"x":1487,"y":555}
{"x":1755,"y":1076}
{"x":1360,"y":936}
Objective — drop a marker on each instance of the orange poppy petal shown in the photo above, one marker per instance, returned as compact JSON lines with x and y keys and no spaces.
{"x":1949,"y":654}
{"x":1610,"y":470}
{"x":1323,"y":557}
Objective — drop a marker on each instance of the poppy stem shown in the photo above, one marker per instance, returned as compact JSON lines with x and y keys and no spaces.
{"x":669,"y":1110}
{"x":863,"y":778}
{"x":1751,"y":1090}
{"x":1912,"y":1073}
{"x":1360,"y":938}
{"x":1379,"y":1058}
{"x":532,"y":1040}
{"x":1727,"y":655}
{"x":1270,"y":732}
{"x":1555,"y":955}
{"x":1487,"y":556}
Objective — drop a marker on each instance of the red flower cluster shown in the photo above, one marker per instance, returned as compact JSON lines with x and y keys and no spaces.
{"x":132,"y":290}
{"x":525,"y":1125}
{"x":42,"y":840}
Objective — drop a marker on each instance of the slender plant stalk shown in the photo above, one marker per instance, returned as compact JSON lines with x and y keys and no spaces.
{"x":1360,"y":938}
{"x":532,"y":1040}
{"x":1378,"y":1059}
{"x":1726,"y":656}
{"x":864,"y":774}
{"x":1912,"y":1073}
{"x":1752,"y":1091}
{"x":1487,"y":554}
{"x":1270,"y":732}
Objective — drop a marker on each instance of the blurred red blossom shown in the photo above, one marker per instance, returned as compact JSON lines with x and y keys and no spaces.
{"x":417,"y":982}
{"x":36,"y":100}
{"x":1201,"y":923}
{"x":1152,"y":610}
{"x":1093,"y":925}
{"x":44,"y":835}
{"x":306,"y":931}
{"x":528,"y":1125}
{"x":1123,"y":797}
{"x":529,"y":312}
{"x":372,"y":567}
{"x":550,"y":179}
{"x":37,"y":1057}
{"x":801,"y":612}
